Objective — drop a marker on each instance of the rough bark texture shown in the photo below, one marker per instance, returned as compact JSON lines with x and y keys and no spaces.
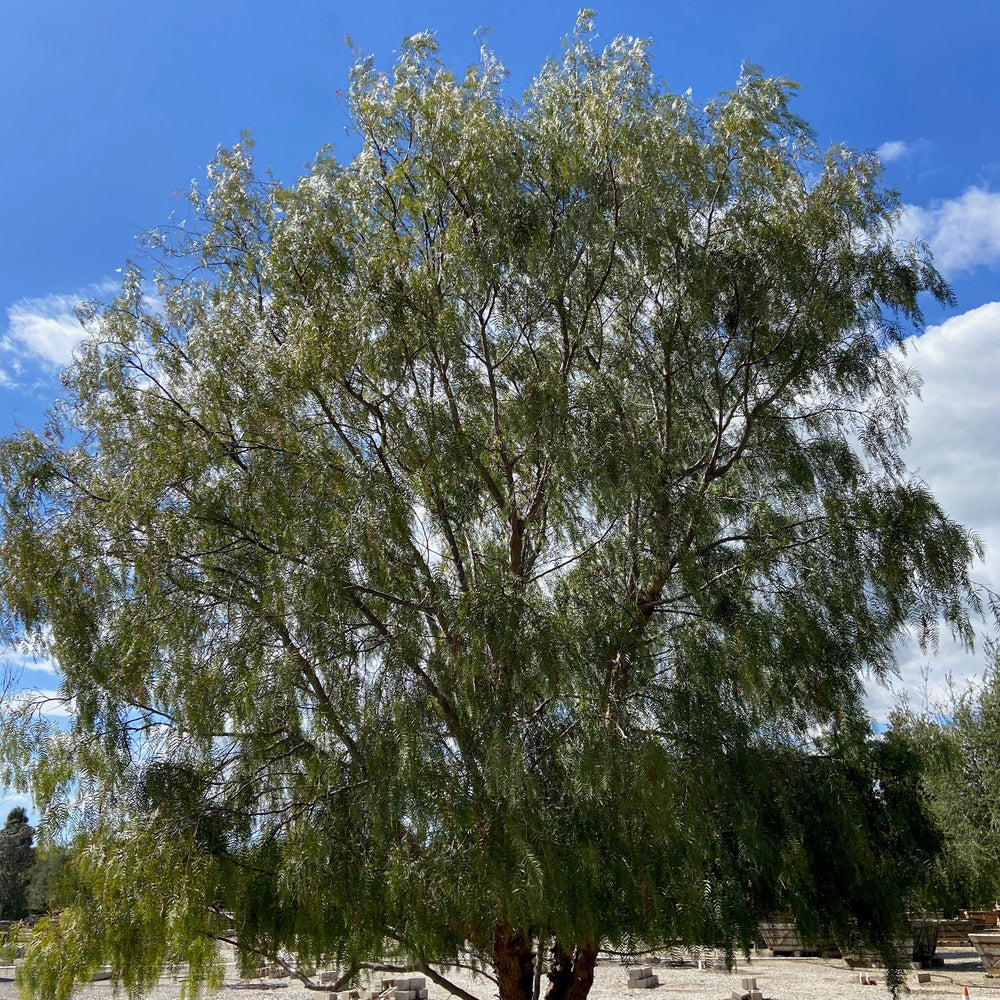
{"x":513,"y":962}
{"x":571,"y":976}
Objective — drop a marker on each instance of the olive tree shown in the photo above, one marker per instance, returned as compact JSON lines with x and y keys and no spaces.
{"x":959,"y":744}
{"x":481,"y":542}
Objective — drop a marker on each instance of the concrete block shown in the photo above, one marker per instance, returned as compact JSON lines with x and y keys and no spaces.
{"x":749,"y":983}
{"x":756,"y":994}
{"x":923,"y":977}
{"x":739,"y":996}
{"x":422,"y":993}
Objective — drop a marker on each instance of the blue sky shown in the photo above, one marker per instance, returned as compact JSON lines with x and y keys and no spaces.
{"x":110,"y":109}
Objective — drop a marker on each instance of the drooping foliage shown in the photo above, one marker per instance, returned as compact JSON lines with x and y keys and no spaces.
{"x":485,"y":539}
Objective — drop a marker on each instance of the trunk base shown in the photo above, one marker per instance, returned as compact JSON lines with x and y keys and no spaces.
{"x":571,"y":976}
{"x":514,"y":963}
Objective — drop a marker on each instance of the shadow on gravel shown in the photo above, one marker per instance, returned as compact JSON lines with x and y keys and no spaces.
{"x":963,"y":965}
{"x":960,"y":959}
{"x":257,"y":986}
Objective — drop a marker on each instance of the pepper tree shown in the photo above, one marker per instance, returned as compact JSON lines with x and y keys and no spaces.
{"x":481,"y":542}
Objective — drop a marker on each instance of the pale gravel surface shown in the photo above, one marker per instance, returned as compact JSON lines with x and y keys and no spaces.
{"x":777,"y":978}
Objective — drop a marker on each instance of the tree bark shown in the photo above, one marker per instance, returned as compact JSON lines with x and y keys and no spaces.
{"x":571,"y":976}
{"x":536,"y":990}
{"x":513,"y":961}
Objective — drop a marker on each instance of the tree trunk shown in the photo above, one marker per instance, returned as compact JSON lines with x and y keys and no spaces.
{"x":536,"y":991}
{"x":512,"y":960}
{"x":571,"y":976}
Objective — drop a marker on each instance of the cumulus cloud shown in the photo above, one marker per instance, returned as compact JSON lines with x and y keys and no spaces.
{"x":45,"y":329}
{"x":955,"y":445}
{"x":963,"y":232}
{"x":894,"y":150}
{"x":955,"y":449}
{"x":16,"y":662}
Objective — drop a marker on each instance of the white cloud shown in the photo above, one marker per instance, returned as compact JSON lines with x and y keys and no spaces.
{"x":963,"y":232}
{"x":45,"y":702}
{"x":890,"y":151}
{"x":45,"y":329}
{"x":955,"y":448}
{"x":14,"y":662}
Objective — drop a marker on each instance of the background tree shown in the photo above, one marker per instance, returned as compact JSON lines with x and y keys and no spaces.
{"x":483,"y":540}
{"x":959,"y":742}
{"x":42,"y":893}
{"x":17,"y":858}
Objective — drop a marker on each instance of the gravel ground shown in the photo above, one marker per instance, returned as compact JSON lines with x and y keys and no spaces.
{"x":778,"y":978}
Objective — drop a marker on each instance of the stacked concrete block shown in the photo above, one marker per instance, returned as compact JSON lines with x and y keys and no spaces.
{"x":750,"y":991}
{"x":712,"y":960}
{"x":383,"y":991}
{"x":642,"y":979}
{"x":345,"y":995}
{"x":414,"y":988}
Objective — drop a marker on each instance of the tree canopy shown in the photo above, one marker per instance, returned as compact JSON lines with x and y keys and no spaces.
{"x":483,"y":541}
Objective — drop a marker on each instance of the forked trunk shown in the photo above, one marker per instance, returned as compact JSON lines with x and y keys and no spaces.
{"x":513,"y":961}
{"x":571,"y":975}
